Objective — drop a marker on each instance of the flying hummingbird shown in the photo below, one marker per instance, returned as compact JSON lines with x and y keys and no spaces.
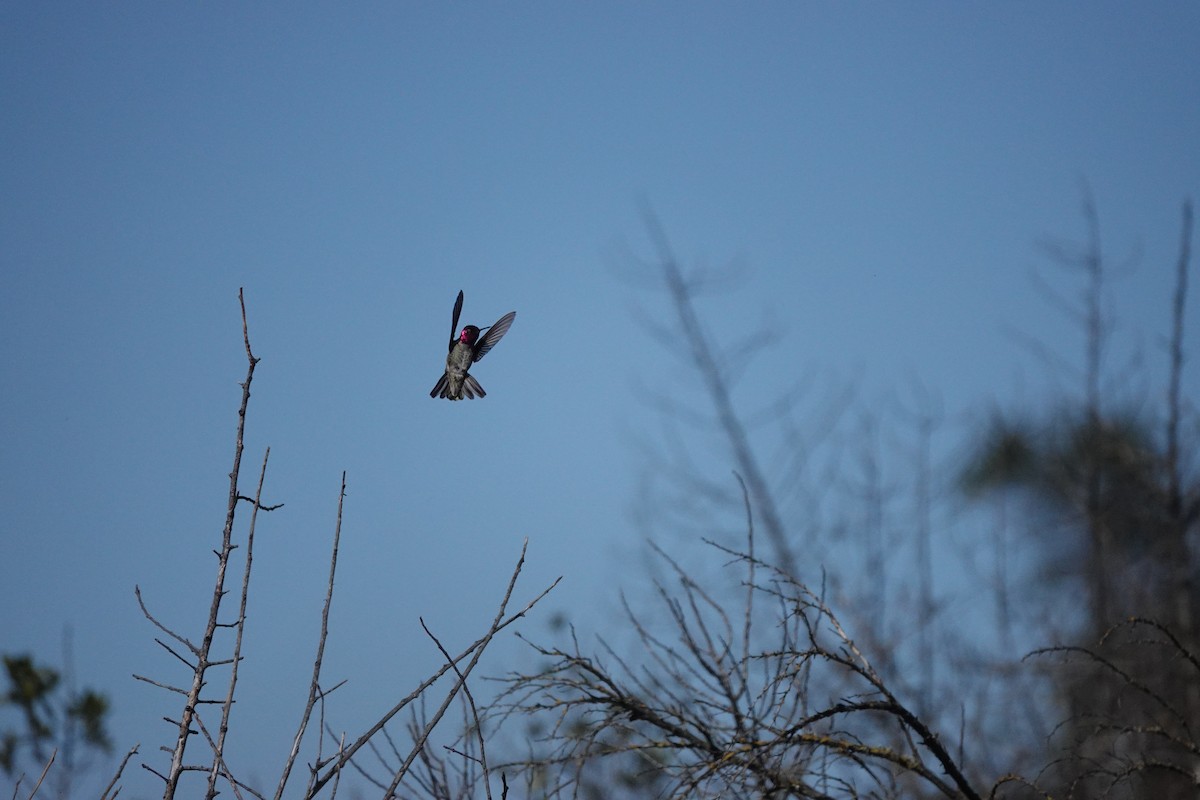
{"x":465,"y":349}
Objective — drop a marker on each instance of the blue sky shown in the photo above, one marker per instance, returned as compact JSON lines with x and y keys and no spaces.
{"x":882,"y":172}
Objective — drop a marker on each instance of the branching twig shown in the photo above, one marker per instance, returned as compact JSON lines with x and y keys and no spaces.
{"x":419,"y":745}
{"x":462,"y":681}
{"x":471,"y":649}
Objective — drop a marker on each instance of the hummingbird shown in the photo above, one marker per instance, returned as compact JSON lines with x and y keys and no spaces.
{"x":465,"y":349}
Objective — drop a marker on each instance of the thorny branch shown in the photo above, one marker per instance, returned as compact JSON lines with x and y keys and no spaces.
{"x":218,"y":763}
{"x":201,"y":653}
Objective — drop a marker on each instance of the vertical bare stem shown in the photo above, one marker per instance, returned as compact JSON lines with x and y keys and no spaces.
{"x":227,"y":706}
{"x":1096,"y":333}
{"x":314,"y":686}
{"x":202,"y":661}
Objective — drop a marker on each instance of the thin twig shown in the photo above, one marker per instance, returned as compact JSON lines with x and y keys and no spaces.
{"x":104,"y":795}
{"x":137,"y":592}
{"x":462,"y":680}
{"x":227,"y":707}
{"x":425,"y":684}
{"x":221,"y":765}
{"x":314,"y":684}
{"x":42,"y":777}
{"x":419,"y":745}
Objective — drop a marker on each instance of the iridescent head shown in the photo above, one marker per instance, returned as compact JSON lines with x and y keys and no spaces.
{"x":469,"y":335}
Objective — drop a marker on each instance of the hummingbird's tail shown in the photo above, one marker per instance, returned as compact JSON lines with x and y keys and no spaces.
{"x":469,"y":388}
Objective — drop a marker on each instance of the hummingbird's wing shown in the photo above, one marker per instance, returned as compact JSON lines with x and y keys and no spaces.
{"x":494,"y":334}
{"x":454,"y":321}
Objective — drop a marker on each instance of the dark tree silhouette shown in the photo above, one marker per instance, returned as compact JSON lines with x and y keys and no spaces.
{"x":1116,"y":514}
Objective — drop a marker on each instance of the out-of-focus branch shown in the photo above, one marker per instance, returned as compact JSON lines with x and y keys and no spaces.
{"x":704,"y":358}
{"x":1146,"y":737}
{"x":1184,"y":602}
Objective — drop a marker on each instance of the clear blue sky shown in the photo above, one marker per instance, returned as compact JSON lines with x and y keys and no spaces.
{"x":883,"y":171}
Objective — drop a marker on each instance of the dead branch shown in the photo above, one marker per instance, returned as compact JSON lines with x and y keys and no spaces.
{"x":240,"y":626}
{"x":42,"y":777}
{"x":314,"y":685}
{"x":462,"y":681}
{"x":112,"y":785}
{"x":202,"y":652}
{"x":473,"y":651}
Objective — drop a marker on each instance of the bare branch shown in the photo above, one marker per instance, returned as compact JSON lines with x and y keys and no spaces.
{"x":486,"y":639}
{"x":462,"y":680}
{"x":472,"y":649}
{"x":42,"y":777}
{"x":1175,"y":496}
{"x":203,"y":650}
{"x":240,"y":625}
{"x":112,"y":785}
{"x":705,"y":716}
{"x":137,"y":592}
{"x":314,"y":684}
